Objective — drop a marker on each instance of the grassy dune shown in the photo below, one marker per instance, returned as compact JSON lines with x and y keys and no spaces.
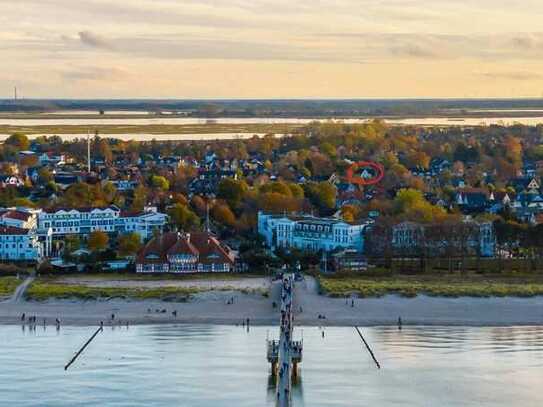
{"x":41,"y":291}
{"x":8,"y":285}
{"x":48,"y":288}
{"x":439,"y":286}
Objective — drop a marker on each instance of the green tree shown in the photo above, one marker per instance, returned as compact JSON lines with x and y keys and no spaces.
{"x":160,"y":182}
{"x":183,"y":217}
{"x":232,"y":191}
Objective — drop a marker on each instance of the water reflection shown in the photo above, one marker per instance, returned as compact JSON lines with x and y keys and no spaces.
{"x":207,"y":365}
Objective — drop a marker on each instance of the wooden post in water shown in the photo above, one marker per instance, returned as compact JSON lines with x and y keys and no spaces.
{"x":368,"y":347}
{"x":83,"y":347}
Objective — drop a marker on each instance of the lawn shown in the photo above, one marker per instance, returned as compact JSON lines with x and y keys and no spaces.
{"x":8,"y":285}
{"x":434,"y":285}
{"x":42,"y":290}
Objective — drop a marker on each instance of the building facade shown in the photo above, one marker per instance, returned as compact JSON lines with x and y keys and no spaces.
{"x":17,"y":244}
{"x":111,"y":219}
{"x":466,"y":238}
{"x":199,"y":252}
{"x":311,"y":233}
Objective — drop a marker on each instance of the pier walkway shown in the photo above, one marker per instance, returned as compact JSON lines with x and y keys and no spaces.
{"x":285,"y":354}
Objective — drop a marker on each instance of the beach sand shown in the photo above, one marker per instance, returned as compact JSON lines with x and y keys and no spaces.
{"x":211,"y":308}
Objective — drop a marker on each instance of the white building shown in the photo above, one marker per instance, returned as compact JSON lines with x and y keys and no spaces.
{"x":110,"y":220}
{"x":24,"y":218}
{"x":311,"y":233}
{"x":17,"y":244}
{"x":52,"y":159}
{"x":468,"y":236}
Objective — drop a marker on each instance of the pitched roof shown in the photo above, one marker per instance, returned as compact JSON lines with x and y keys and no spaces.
{"x":10,"y":230}
{"x":183,"y":246}
{"x":15,"y":214}
{"x":203,"y":245}
{"x":155,"y":250}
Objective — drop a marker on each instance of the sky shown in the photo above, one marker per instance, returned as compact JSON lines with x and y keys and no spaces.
{"x":271,"y":48}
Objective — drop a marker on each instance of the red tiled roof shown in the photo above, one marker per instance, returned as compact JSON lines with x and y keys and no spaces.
{"x":204,"y":245}
{"x":14,"y":214}
{"x":10,"y":230}
{"x":183,"y":246}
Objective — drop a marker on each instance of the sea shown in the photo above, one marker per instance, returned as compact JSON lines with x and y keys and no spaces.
{"x":216,"y":365}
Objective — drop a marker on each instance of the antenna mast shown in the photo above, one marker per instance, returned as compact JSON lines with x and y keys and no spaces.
{"x":88,"y":153}
{"x":207,"y":215}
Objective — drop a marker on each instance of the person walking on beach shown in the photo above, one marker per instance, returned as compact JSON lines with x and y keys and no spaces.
{"x":400,"y":323}
{"x":23,"y":316}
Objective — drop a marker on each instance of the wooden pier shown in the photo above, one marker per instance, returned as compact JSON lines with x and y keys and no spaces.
{"x":285,"y":354}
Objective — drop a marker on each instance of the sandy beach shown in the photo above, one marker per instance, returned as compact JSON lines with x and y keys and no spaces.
{"x":211,"y":307}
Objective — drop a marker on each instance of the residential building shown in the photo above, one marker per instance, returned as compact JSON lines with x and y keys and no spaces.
{"x":23,"y":218}
{"x":345,"y":261}
{"x":199,"y":252}
{"x":524,"y":184}
{"x":311,"y":233}
{"x":17,"y":244}
{"x":471,"y":200}
{"x":52,"y":159}
{"x":124,"y":185}
{"x":465,"y":238}
{"x":110,"y":220}
{"x":11,"y":181}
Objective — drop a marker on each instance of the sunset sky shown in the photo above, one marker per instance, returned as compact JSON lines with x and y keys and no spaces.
{"x":271,"y":48}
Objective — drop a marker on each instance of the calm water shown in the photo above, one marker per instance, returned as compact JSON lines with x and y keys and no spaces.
{"x":130,"y":121}
{"x":188,"y":365}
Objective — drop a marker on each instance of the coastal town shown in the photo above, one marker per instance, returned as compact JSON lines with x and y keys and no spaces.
{"x":271,"y":203}
{"x":438,"y":193}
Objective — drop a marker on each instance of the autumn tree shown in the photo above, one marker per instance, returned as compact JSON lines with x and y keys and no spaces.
{"x":140,"y":198}
{"x":160,"y":182}
{"x":322,"y":194}
{"x":18,"y":141}
{"x":412,"y":204}
{"x":223,"y":215}
{"x":183,"y":217}
{"x":129,"y":244}
{"x":232,"y":191}
{"x":98,"y":241}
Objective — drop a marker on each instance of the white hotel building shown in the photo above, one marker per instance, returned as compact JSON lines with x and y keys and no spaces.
{"x":111,"y":219}
{"x":310,"y":233}
{"x":17,"y":244}
{"x":19,"y":236}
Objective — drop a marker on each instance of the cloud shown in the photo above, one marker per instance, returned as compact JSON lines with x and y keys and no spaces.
{"x":94,"y":40}
{"x":512,"y":75}
{"x":414,"y":51}
{"x":98,"y":74}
